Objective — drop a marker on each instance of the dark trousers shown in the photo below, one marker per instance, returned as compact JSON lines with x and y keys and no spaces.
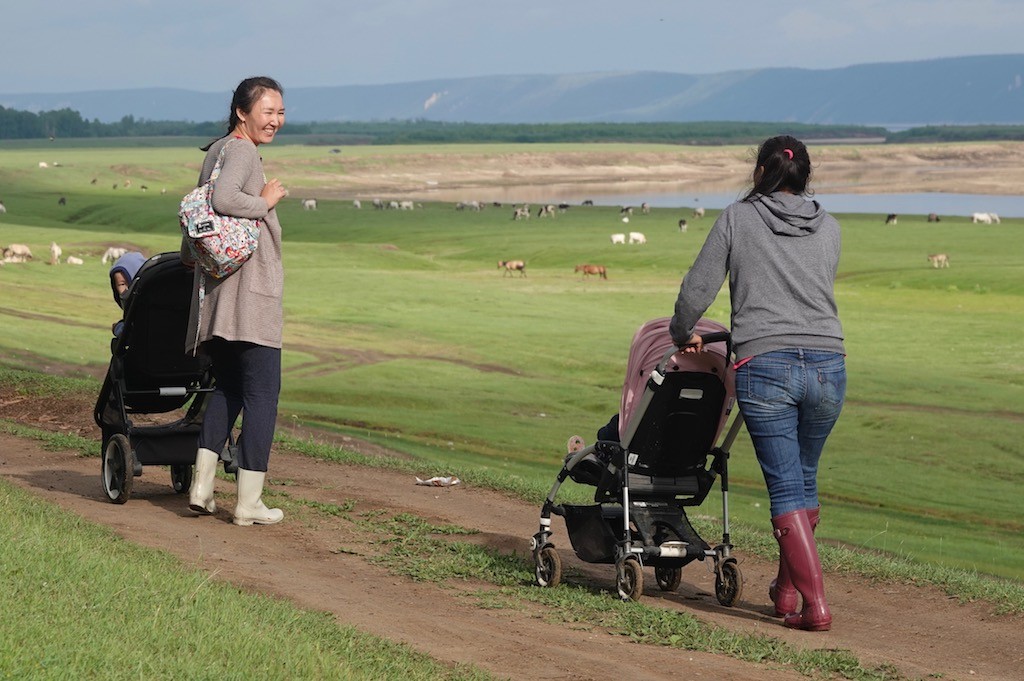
{"x":248,"y":380}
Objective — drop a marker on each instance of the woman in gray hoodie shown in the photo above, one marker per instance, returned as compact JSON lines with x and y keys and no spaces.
{"x":780,"y":251}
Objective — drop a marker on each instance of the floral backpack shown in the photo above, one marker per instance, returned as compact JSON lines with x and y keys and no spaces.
{"x":220,"y":244}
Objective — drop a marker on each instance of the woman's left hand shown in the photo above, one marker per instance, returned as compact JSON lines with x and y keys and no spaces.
{"x":694,"y":344}
{"x":273,"y":192}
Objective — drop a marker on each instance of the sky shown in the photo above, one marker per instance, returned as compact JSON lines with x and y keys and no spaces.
{"x":54,"y":46}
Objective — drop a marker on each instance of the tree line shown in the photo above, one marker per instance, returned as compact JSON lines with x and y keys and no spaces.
{"x":67,"y":123}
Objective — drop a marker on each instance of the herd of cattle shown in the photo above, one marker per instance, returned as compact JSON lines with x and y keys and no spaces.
{"x":20,"y":253}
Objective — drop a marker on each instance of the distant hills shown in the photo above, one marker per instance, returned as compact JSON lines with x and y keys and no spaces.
{"x":951,"y":91}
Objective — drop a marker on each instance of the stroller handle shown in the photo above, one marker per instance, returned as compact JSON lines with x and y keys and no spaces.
{"x":717,"y":337}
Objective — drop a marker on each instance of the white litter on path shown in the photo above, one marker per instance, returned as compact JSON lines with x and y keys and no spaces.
{"x":438,"y":481}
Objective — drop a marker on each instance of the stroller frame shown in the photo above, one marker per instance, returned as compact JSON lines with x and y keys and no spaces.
{"x":637,"y":515}
{"x":150,"y":373}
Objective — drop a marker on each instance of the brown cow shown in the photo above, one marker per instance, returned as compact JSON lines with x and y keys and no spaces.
{"x":599,"y":270}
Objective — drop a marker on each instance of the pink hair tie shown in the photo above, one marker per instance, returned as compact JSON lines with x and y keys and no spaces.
{"x":788,"y":152}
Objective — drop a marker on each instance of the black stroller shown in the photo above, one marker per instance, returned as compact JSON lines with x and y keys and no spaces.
{"x":674,"y":406}
{"x":150,"y":373}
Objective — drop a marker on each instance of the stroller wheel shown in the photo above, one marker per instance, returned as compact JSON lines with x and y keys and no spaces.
{"x":668,"y":578}
{"x":631,"y":580}
{"x":118,"y":469}
{"x":181,"y":477}
{"x":548,"y":571}
{"x":728,"y":583}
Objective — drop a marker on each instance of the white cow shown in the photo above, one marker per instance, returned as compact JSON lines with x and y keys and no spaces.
{"x":309,"y":204}
{"x":698,"y":212}
{"x":406,"y":205}
{"x":618,"y":238}
{"x":112,"y":254}
{"x":3,"y":208}
{"x":55,"y":253}
{"x":357,"y":203}
{"x":995,"y":218}
{"x":637,"y":238}
{"x":984,"y":218}
{"x":17,"y":253}
{"x":72,"y":260}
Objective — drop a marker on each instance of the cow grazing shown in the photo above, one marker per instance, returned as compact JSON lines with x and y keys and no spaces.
{"x":308,"y":204}
{"x":406,"y":205}
{"x":74,"y":260}
{"x":512,"y":266}
{"x":637,"y":238}
{"x":562,"y":207}
{"x":932,"y":217}
{"x":645,"y":208}
{"x":587,"y":202}
{"x":112,"y":254}
{"x":983,"y":218}
{"x":939,"y":260}
{"x":891,"y":219}
{"x":62,"y":201}
{"x":392,"y":205}
{"x":698,"y":212}
{"x":626,"y":210}
{"x":521,"y":214}
{"x":618,"y":238}
{"x":545,"y":211}
{"x":17,"y":253}
{"x":682,"y":225}
{"x":378,"y":204}
{"x":55,"y":253}
{"x":994,"y":218}
{"x":356,"y":203}
{"x":599,"y":270}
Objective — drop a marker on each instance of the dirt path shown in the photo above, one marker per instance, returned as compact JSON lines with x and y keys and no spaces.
{"x":320,"y":563}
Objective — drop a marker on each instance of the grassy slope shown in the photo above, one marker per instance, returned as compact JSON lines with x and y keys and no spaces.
{"x":400,"y":324}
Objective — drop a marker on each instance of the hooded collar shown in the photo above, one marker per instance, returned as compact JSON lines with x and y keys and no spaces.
{"x":789,"y":214}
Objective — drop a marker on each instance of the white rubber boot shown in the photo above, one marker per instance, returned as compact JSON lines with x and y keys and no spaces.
{"x":200,"y":494}
{"x":250,"y":508}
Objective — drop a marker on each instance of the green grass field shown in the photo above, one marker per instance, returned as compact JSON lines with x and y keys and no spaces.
{"x":400,"y":328}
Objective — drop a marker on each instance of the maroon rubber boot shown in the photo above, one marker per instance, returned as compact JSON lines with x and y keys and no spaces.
{"x":796,"y":543}
{"x":781,"y":590}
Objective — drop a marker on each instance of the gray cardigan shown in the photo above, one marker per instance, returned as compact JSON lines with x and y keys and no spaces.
{"x":781,"y":253}
{"x":247,"y":305}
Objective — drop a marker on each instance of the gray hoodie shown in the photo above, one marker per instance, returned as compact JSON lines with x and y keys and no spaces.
{"x":781,"y":253}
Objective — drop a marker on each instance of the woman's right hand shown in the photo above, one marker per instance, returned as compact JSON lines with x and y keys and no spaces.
{"x":273,"y":192}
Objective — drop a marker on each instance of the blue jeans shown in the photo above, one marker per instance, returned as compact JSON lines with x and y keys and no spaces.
{"x":790,"y":399}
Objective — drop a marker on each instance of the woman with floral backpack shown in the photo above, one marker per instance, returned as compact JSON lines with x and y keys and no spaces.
{"x":237,"y":320}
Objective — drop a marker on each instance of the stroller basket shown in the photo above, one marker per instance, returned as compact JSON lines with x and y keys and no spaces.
{"x":591,"y":536}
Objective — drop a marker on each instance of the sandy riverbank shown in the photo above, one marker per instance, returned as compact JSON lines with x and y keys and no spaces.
{"x":522,"y":174}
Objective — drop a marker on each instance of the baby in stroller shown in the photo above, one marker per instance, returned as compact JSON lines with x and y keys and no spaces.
{"x":651,"y":460}
{"x":122,"y":273}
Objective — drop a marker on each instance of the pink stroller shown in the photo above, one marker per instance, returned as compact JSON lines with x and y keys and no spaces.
{"x":674,"y":407}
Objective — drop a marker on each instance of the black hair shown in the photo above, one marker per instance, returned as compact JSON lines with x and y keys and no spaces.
{"x":245,"y":96}
{"x":786,"y":164}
